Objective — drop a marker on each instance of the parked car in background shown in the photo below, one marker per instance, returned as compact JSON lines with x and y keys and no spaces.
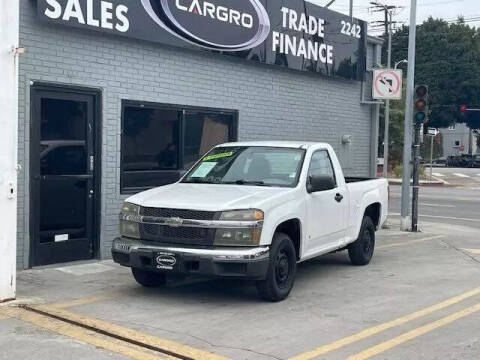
{"x":463,"y":161}
{"x":442,"y":161}
{"x":252,"y":211}
{"x":476,"y":161}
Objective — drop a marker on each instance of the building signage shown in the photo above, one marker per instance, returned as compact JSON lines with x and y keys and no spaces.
{"x":295,"y":34}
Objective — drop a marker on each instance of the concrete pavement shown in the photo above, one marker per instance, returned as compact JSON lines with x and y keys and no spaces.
{"x":418,"y":299}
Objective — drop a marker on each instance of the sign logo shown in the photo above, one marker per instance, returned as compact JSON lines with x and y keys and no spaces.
{"x":223,"y":25}
{"x":387,"y":84}
{"x":166,"y":260}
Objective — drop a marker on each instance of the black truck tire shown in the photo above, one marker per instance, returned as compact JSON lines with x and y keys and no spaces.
{"x":282,"y":270}
{"x":148,"y":278}
{"x":361,"y":251}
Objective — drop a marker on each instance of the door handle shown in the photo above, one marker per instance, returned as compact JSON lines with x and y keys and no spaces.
{"x":338,"y":197}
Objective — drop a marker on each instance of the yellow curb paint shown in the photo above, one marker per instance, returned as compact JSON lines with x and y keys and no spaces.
{"x":84,"y":335}
{"x":86,"y":300}
{"x":389,"y":344}
{"x":404,"y":243}
{"x":131,"y":334}
{"x":385,"y":326}
{"x":473,"y":251}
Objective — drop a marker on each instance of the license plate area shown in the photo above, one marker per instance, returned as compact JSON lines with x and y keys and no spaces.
{"x":166,"y":261}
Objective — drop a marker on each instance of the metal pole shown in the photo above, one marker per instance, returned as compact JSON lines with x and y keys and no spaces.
{"x":431,"y":157}
{"x":407,"y":144}
{"x":470,"y":142}
{"x":351,"y":9}
{"x":387,"y":102}
{"x":416,"y":173}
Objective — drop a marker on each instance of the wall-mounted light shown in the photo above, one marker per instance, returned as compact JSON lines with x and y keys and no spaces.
{"x":346,"y":139}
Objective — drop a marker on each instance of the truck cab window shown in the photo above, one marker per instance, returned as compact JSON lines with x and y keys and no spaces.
{"x":321,"y":165}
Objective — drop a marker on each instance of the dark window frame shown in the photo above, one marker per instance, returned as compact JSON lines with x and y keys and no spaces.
{"x":183,"y":110}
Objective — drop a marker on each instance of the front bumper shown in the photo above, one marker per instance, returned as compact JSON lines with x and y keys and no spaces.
{"x":250,"y":263}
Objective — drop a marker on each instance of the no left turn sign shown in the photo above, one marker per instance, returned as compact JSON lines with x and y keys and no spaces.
{"x":387,"y":84}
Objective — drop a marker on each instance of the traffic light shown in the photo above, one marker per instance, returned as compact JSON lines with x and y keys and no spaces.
{"x":420,"y":104}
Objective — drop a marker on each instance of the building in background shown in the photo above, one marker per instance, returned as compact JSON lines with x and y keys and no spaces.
{"x":114,"y":100}
{"x":456,"y":140}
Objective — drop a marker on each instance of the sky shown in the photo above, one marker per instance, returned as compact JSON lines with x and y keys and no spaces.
{"x":445,"y":9}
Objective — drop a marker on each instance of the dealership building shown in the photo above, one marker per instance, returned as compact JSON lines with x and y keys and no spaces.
{"x":118,"y":96}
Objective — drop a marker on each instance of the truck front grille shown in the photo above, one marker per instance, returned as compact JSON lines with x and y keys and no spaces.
{"x":178,"y":213}
{"x":178,"y":235}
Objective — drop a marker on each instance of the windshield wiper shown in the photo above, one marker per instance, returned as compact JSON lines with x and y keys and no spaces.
{"x":196,"y":181}
{"x":246,"y":182}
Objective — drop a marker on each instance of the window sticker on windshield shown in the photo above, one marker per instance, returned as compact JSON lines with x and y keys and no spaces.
{"x":293,"y":175}
{"x":218,"y":156}
{"x":203,"y":170}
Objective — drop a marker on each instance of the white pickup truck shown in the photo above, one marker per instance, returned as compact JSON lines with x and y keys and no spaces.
{"x":251,"y":210}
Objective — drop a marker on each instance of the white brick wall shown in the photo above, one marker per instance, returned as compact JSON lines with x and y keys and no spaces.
{"x":273,"y":103}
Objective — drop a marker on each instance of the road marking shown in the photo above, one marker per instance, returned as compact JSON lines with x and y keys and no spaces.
{"x":86,"y":300}
{"x":438,"y":174}
{"x":441,"y":217}
{"x":385,"y":326}
{"x":389,"y":344}
{"x":83,"y":335}
{"x":472,"y":251}
{"x":437,"y":205}
{"x":133,"y":335}
{"x":403,"y":243}
{"x":461,"y":175}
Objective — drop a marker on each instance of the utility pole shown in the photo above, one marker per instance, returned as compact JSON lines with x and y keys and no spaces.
{"x":386,"y":140}
{"x":388,"y":10}
{"x":407,"y":144}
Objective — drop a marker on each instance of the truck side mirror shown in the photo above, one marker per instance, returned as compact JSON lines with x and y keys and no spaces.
{"x":318,"y":183}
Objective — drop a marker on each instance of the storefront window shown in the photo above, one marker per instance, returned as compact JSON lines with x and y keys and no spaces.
{"x":203,"y":131}
{"x":160,"y":142}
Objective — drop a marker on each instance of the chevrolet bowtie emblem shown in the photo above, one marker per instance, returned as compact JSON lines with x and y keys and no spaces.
{"x":174,"y":222}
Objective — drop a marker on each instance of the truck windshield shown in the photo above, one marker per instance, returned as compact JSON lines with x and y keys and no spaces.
{"x":249,"y":165}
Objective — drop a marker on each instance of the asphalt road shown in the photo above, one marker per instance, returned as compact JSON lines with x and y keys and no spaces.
{"x":462,"y":177}
{"x":456,"y":204}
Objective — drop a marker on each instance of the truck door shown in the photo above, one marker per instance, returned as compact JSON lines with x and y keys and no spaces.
{"x":325,"y":209}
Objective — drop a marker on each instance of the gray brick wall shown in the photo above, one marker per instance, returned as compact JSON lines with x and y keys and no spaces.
{"x":273,"y":103}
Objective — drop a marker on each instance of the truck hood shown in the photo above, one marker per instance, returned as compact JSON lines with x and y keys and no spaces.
{"x":211,"y":197}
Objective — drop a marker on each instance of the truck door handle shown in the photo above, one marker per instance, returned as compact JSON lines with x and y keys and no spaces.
{"x":338,"y":197}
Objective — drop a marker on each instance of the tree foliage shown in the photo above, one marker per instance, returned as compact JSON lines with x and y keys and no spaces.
{"x":448,"y":62}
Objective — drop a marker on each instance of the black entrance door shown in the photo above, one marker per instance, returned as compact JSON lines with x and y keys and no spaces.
{"x":63,"y":175}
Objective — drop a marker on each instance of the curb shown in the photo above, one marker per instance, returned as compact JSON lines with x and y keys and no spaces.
{"x":427,"y":183}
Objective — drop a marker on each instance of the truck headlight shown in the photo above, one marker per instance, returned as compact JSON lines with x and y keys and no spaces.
{"x":129,"y":220}
{"x":238,"y":237}
{"x":242,"y":215}
{"x":248,"y":236}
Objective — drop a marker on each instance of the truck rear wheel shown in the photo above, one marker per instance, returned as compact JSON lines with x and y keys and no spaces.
{"x":361,"y":251}
{"x":282,"y":270}
{"x":148,"y":278}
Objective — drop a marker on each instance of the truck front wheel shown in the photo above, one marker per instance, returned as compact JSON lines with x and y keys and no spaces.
{"x":148,"y":278}
{"x":282,"y":269}
{"x":361,"y":251}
